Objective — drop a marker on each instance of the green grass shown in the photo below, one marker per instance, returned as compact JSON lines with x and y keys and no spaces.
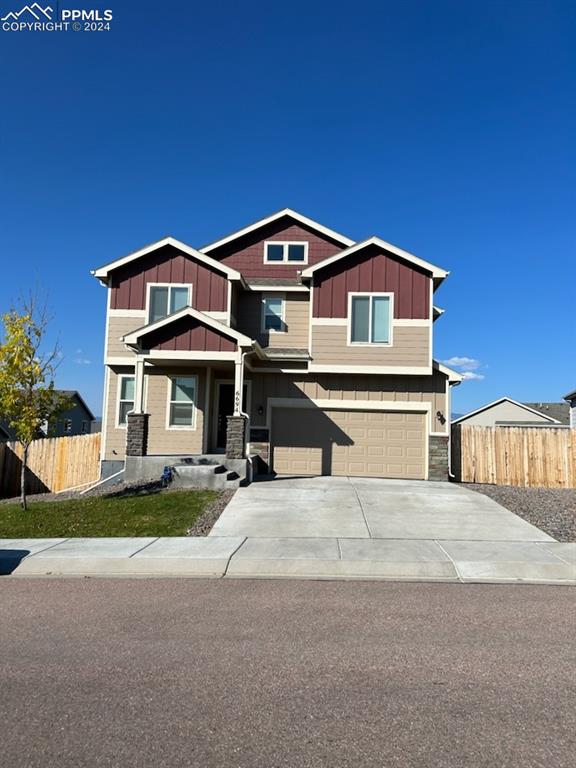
{"x":158,"y":514}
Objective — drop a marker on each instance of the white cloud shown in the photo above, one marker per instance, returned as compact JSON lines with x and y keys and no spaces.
{"x":464,"y":363}
{"x":82,"y":361}
{"x":471,"y":376}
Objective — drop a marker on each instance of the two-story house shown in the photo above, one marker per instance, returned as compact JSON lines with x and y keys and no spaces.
{"x":285,"y":340}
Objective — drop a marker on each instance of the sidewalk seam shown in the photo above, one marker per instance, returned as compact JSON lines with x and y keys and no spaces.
{"x":33,"y":554}
{"x":558,"y":557}
{"x":362,"y":510}
{"x":244,"y":540}
{"x":144,"y":547}
{"x":458,"y":574}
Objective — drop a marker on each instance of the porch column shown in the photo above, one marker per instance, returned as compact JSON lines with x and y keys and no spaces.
{"x":238,"y":385}
{"x":236,"y":424}
{"x":137,"y":420}
{"x":139,"y":386}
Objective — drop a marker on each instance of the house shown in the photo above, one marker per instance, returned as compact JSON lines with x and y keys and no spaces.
{"x":571,"y":400}
{"x":508,"y":412}
{"x":76,"y":420}
{"x":284,"y":340}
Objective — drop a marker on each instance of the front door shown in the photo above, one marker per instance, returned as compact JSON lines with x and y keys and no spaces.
{"x":225,"y":408}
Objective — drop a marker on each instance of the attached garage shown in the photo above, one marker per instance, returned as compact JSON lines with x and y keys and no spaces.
{"x":314,"y":441}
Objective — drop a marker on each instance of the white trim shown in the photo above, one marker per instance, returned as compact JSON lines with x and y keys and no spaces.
{"x":400,"y":322}
{"x":126,"y":312}
{"x":453,"y":376}
{"x":107,"y":321}
{"x":505,"y":400}
{"x":396,"y":370}
{"x":436,"y":272}
{"x":283,"y":288}
{"x":430,"y":332}
{"x":102,"y":272}
{"x":206,"y":414}
{"x":276,"y":370}
{"x":437,"y":311}
{"x":229,"y":305}
{"x":182,"y":427}
{"x":310,"y":316}
{"x":220,"y":316}
{"x":226,"y":330}
{"x":121,"y":376}
{"x":112,"y":360}
{"x":329,"y":321}
{"x":370,"y":295}
{"x":149,"y":287}
{"x":203,"y":356}
{"x":285,"y":248}
{"x":104,"y":412}
{"x":274,"y":217}
{"x":263,"y":301}
{"x":349,"y":405}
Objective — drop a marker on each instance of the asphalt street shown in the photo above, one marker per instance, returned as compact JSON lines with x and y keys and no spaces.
{"x":283,"y":674}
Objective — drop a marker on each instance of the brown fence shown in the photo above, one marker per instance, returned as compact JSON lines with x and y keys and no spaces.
{"x":55,"y":464}
{"x":536,"y":457}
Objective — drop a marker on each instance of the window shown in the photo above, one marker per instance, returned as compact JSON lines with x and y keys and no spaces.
{"x":126,"y":399}
{"x":370,"y":318}
{"x":166,"y":299}
{"x":84,"y":427}
{"x":273,"y":314}
{"x":285,"y":253}
{"x":182,"y":405}
{"x":67,"y":426}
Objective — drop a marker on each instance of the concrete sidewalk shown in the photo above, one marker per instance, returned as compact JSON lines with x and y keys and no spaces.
{"x":449,"y":560}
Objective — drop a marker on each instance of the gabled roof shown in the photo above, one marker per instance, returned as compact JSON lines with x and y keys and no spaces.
{"x":558,"y":411}
{"x":453,"y":376}
{"x":102,"y":272}
{"x":504,"y":400}
{"x":437,"y":272}
{"x":242,"y":340}
{"x":72,"y":393}
{"x":272,"y":218}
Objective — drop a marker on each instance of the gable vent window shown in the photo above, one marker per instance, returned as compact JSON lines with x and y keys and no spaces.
{"x":370,"y":319}
{"x":285,"y":253}
{"x":166,"y":299}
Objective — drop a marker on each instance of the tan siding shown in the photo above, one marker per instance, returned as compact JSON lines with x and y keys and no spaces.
{"x":410,"y":347}
{"x":415,"y":389}
{"x":115,"y":436}
{"x":297,"y":314}
{"x":162,"y":440}
{"x":118,"y":326}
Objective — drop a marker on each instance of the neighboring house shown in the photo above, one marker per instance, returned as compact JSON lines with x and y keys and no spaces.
{"x":77,"y":420}
{"x":285,"y":339}
{"x":508,"y":412}
{"x":571,"y":400}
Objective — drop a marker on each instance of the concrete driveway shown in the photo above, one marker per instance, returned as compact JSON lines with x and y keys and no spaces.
{"x":364,"y":508}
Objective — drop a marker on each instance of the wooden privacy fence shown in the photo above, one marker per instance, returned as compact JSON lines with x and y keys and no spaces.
{"x":532,"y":457}
{"x":54,"y":464}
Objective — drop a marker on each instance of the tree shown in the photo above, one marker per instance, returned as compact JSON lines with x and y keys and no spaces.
{"x":27,"y":396}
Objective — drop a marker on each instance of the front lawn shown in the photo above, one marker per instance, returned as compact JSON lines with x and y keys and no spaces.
{"x":164,"y":513}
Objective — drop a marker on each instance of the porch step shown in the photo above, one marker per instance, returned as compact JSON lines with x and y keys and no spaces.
{"x":217,"y":477}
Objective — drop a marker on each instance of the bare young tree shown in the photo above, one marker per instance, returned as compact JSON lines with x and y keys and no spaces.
{"x":27,"y":369}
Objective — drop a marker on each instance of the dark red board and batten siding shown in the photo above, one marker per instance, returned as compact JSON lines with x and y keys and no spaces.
{"x":188,"y":335}
{"x":246,"y":254}
{"x":372,"y":270}
{"x":168,"y":265}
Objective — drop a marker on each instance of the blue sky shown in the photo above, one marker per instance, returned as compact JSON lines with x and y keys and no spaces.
{"x":447,"y":128}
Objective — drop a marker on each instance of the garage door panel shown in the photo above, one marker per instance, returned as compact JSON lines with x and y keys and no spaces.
{"x":357,"y":443}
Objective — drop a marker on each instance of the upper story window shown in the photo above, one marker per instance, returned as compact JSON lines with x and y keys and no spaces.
{"x":165,"y":299}
{"x":285,"y":253}
{"x":273,"y":314}
{"x":370,"y":318}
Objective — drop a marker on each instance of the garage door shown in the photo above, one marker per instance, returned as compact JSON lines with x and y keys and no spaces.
{"x":309,"y":441}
